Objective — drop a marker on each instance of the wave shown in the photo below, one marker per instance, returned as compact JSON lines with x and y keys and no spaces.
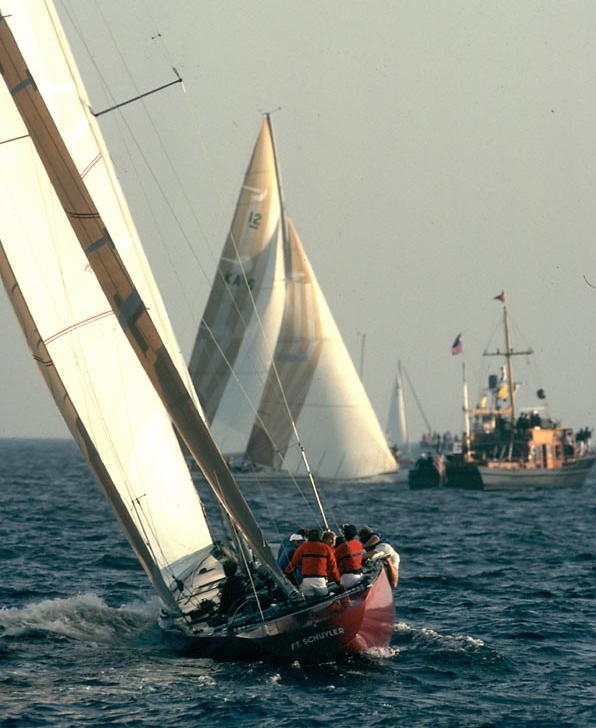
{"x":447,"y":648}
{"x":428,"y":636}
{"x":382,"y":653}
{"x":85,"y":617}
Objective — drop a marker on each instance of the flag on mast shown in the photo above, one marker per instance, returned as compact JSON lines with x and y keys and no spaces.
{"x":456,"y":347}
{"x":500,"y":297}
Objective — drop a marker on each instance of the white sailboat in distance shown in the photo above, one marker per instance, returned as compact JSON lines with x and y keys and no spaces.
{"x":311,"y":396}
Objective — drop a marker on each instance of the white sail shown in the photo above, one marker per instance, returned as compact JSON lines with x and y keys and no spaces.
{"x":112,"y":396}
{"x":397,"y":429}
{"x":316,"y":381}
{"x":237,"y":335}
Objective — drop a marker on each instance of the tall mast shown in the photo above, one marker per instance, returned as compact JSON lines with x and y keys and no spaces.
{"x":466,"y":404}
{"x":280,"y":193}
{"x":287,"y":254}
{"x":401,"y":403}
{"x":508,"y":355}
{"x":362,"y":345}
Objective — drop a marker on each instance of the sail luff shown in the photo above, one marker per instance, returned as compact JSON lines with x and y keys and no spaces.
{"x":122,"y":294}
{"x":78,"y":430}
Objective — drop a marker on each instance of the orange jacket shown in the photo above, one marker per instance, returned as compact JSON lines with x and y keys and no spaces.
{"x":349,"y":556}
{"x":316,"y":559}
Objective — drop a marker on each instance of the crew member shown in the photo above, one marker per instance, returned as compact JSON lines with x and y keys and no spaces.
{"x":287,"y":549}
{"x":348,"y":555}
{"x":233,"y":590}
{"x":376,"y":546}
{"x":329,"y":538}
{"x":318,"y":564}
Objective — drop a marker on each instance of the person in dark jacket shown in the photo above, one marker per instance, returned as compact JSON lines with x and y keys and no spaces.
{"x":233,"y":591}
{"x":318,"y":564}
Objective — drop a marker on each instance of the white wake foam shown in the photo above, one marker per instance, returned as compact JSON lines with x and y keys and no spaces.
{"x":431,"y":638}
{"x":83,"y":617}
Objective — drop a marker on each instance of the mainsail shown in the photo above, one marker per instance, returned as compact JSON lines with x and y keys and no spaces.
{"x":92,"y":316}
{"x":241,"y":322}
{"x":315,"y":384}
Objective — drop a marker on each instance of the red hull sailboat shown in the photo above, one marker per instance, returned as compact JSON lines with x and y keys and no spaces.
{"x":350,"y":622}
{"x":82,"y":290}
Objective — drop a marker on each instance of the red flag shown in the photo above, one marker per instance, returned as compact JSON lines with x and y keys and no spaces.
{"x":456,"y":347}
{"x":500,"y":297}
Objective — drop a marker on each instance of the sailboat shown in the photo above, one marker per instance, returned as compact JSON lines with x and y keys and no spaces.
{"x":508,"y":448}
{"x":82,"y":290}
{"x":397,"y":428}
{"x":279,"y":377}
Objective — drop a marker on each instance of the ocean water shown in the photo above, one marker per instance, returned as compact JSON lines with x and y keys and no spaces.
{"x":496,"y":613}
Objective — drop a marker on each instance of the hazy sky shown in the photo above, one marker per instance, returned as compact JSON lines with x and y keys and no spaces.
{"x":432,"y":154}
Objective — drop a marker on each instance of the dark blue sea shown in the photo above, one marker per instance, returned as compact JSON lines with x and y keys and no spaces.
{"x":496,"y":613}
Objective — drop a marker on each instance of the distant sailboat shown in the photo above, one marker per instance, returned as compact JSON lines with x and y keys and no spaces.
{"x":81,"y":288}
{"x":234,"y":346}
{"x":311,"y":385}
{"x":397,"y":427}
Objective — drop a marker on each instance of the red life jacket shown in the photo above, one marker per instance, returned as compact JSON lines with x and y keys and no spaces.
{"x":316,"y":558}
{"x":349,"y":557}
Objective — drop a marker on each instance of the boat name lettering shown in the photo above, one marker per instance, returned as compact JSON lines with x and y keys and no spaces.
{"x":317,"y":636}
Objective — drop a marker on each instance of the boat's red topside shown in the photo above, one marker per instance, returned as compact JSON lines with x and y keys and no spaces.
{"x":354,"y":623}
{"x":369,"y":621}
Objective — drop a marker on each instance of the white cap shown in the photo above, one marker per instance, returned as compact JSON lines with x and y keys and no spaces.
{"x":297,"y":537}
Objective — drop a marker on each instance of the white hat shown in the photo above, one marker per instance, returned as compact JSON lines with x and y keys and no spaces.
{"x":297,"y":537}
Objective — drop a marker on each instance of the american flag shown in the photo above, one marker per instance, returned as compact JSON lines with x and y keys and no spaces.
{"x":456,"y":347}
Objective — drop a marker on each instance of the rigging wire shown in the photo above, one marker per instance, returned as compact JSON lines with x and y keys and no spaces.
{"x":185,"y":236}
